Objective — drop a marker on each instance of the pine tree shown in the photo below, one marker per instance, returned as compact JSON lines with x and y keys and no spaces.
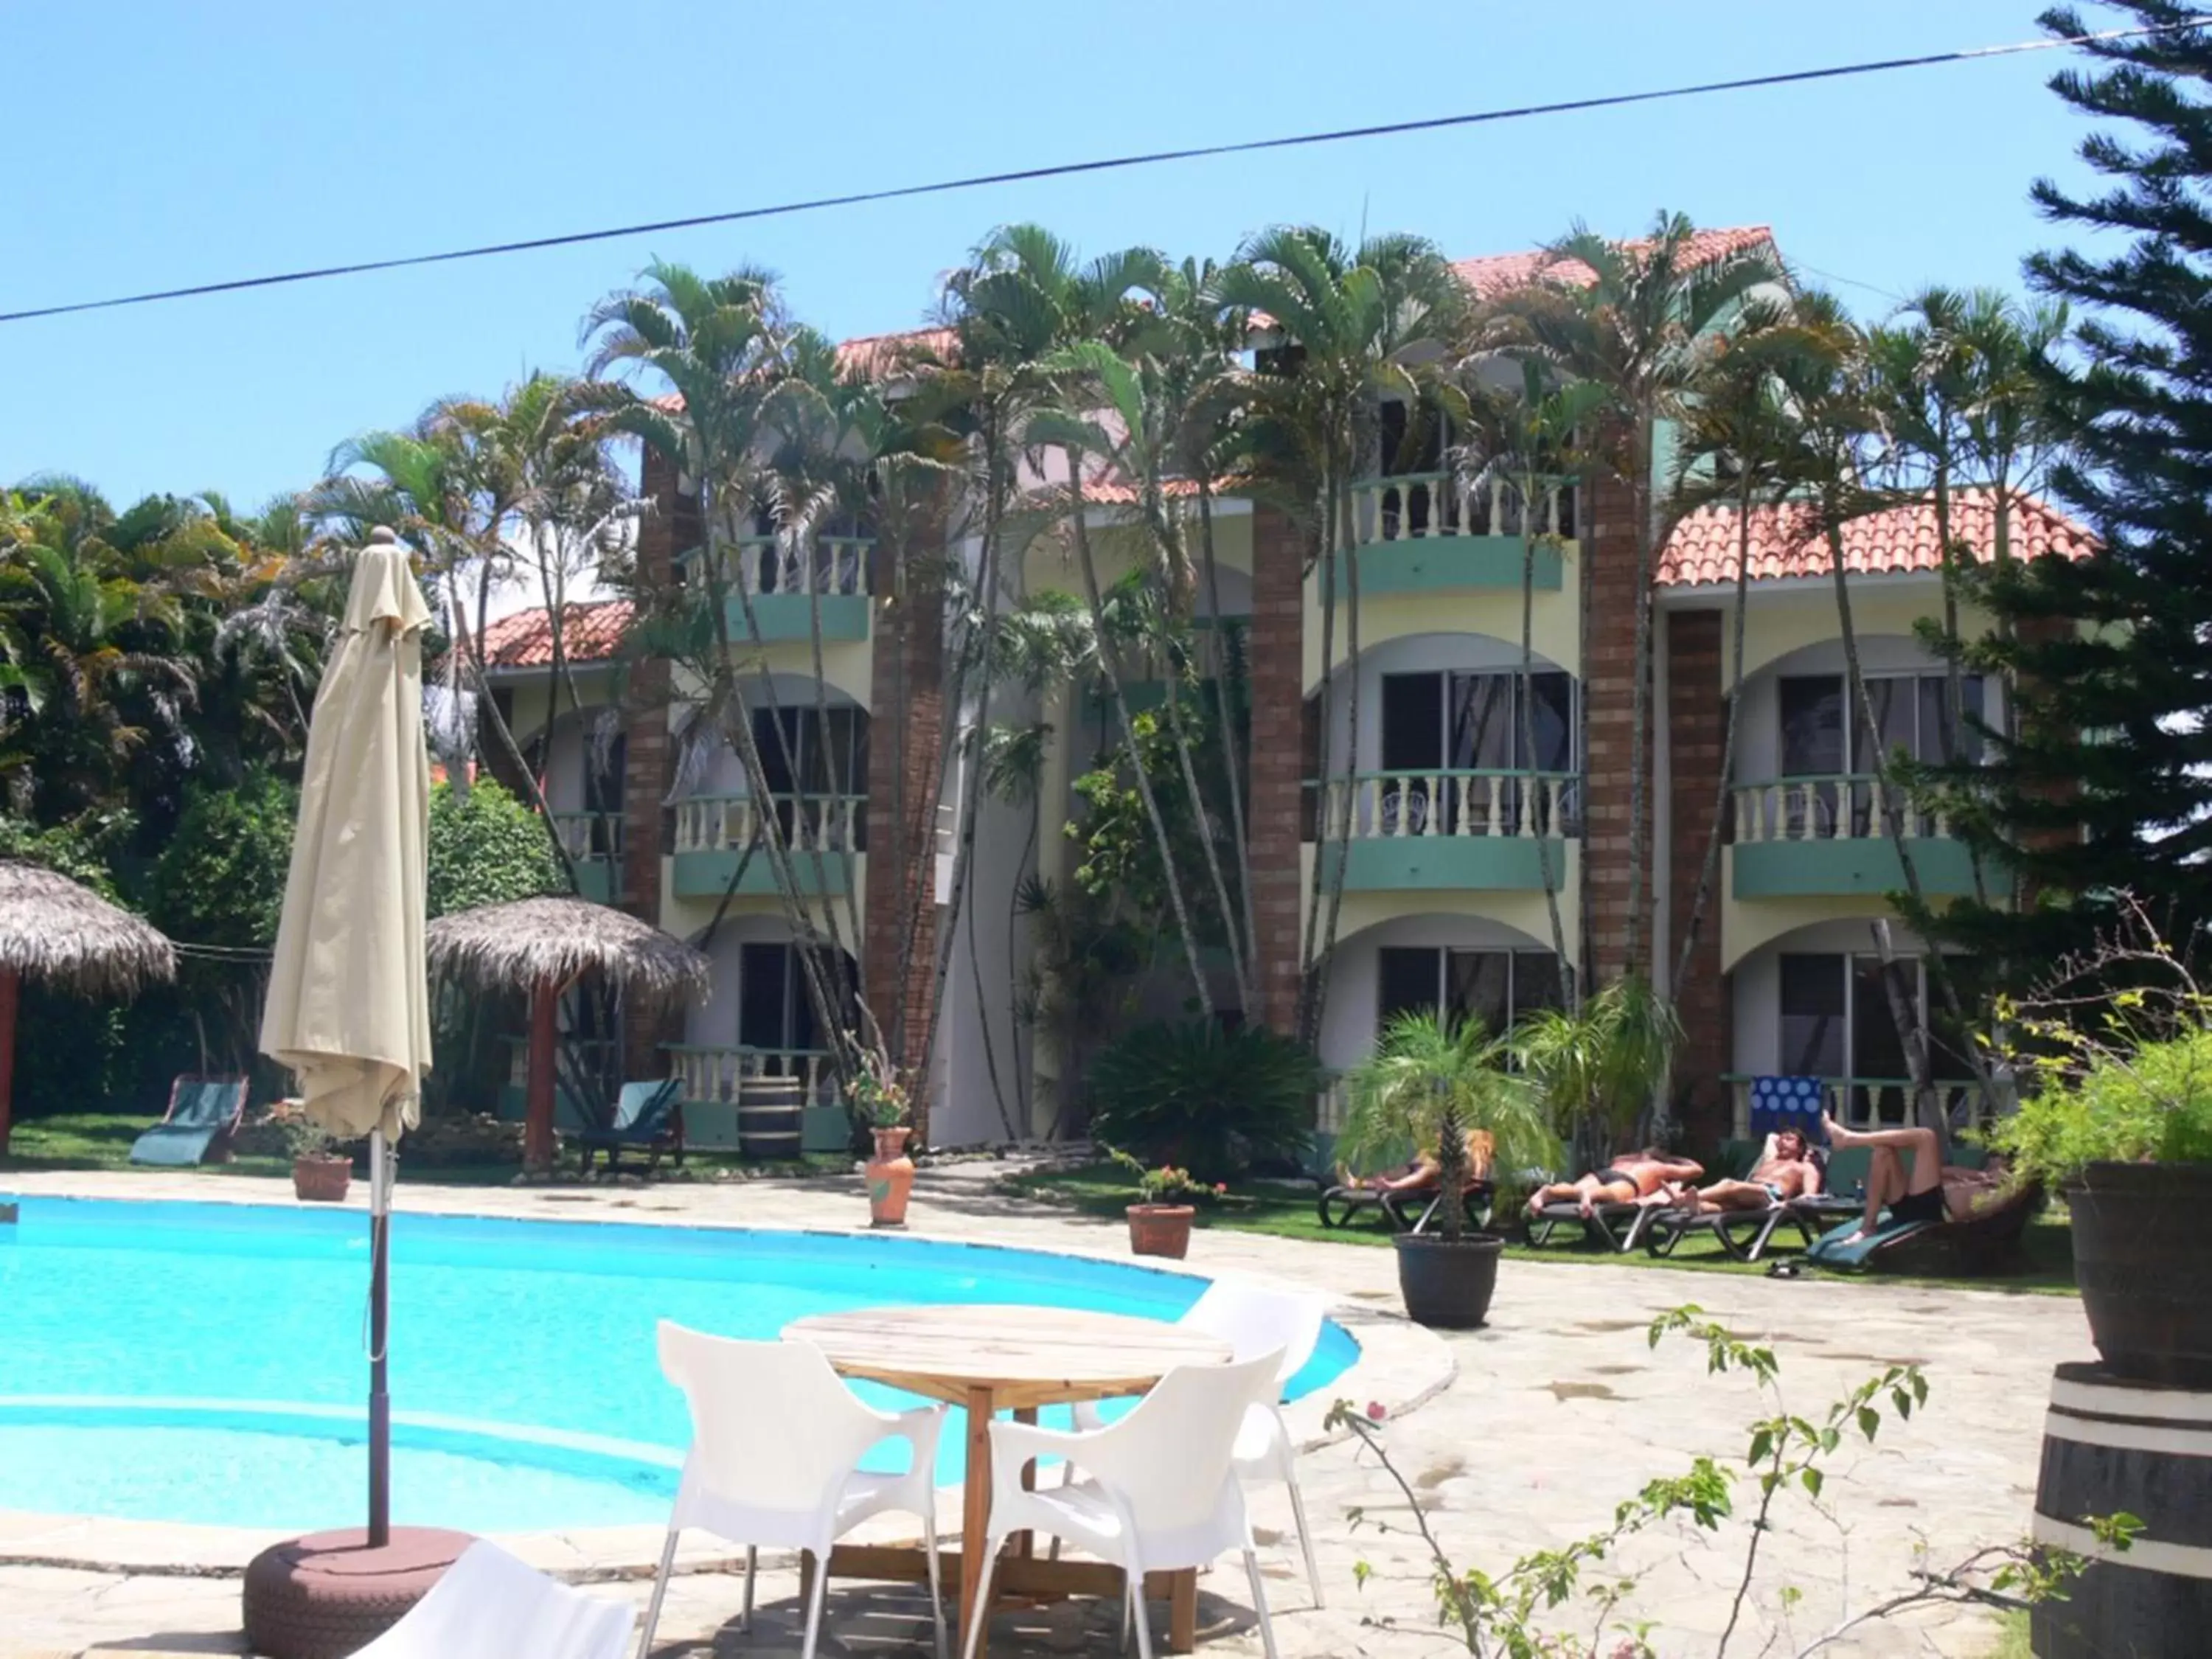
{"x":2105,"y":782}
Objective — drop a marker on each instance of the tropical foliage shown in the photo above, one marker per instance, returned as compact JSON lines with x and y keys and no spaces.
{"x":1212,"y":1100}
{"x":1429,"y":1082}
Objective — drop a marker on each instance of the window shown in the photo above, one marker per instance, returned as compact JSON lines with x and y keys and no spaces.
{"x":1475,"y":722}
{"x":1910,"y":712}
{"x":816,"y":756}
{"x":1836,"y":1021}
{"x":1495,"y":987}
{"x":774,"y":1010}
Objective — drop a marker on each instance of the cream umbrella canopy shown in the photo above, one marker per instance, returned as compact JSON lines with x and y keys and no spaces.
{"x":349,"y":997}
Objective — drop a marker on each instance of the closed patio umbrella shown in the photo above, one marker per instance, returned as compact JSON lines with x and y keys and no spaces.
{"x":348,"y":1000}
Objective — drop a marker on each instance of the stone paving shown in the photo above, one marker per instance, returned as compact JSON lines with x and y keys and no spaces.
{"x":1537,"y":1426}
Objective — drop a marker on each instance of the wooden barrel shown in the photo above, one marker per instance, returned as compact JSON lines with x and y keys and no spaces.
{"x":2112,"y":1446}
{"x":771,"y":1113}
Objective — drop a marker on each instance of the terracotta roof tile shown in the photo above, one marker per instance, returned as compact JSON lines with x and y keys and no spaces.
{"x":1785,"y":542}
{"x":591,"y":632}
{"x":1494,"y":273}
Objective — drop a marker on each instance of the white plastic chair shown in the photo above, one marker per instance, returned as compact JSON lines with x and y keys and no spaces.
{"x":490,"y":1605}
{"x":1254,"y":1321}
{"x":777,"y":1444}
{"x":1159,"y":1493}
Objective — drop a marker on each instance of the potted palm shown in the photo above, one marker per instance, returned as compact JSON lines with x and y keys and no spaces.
{"x":1158,"y":1224}
{"x":881,"y":1100}
{"x":319,"y":1174}
{"x":1432,"y":1086}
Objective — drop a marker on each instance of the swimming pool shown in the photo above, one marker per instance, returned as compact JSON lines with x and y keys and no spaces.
{"x":203,"y":1362}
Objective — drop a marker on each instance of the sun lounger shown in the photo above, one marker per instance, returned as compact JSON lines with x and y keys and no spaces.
{"x":1411,"y":1211}
{"x":1619,"y":1225}
{"x":1830,"y":1250}
{"x":648,"y":1114}
{"x":202,"y":1115}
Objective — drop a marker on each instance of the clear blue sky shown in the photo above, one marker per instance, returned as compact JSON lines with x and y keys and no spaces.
{"x":154,"y":146}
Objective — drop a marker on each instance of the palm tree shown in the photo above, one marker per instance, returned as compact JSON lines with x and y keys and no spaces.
{"x":1429,"y":1081}
{"x":1359,"y":325}
{"x":90,"y":665}
{"x":724,"y":345}
{"x":1523,"y":434}
{"x":1598,"y":1066}
{"x":1642,"y":329}
{"x":1735,"y":447}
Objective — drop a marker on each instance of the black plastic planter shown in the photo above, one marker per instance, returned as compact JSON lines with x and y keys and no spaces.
{"x":1447,"y":1282}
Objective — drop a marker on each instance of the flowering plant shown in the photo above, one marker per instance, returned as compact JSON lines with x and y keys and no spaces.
{"x":1165,"y":1184}
{"x":878,"y":1094}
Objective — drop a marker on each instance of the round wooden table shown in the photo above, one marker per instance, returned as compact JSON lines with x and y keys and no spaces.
{"x":988,"y":1358}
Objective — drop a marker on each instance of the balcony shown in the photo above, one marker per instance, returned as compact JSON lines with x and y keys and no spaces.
{"x":1429,"y":532}
{"x":1452,"y":828}
{"x":708,"y":1080}
{"x":1873,"y":1103}
{"x":1828,"y":837}
{"x":594,"y":845}
{"x":785,"y":584}
{"x":716,"y":838}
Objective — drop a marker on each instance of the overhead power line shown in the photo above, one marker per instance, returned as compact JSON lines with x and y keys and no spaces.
{"x":1108,"y":164}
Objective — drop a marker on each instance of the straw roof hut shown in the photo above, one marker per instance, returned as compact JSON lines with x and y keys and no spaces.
{"x":55,"y":931}
{"x":543,"y":945}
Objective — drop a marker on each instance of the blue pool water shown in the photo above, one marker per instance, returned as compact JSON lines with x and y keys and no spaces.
{"x":203,"y":1361}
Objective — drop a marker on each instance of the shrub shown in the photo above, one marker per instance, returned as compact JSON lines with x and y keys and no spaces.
{"x":1208,"y":1100}
{"x":2155,"y":1104}
{"x":485,"y":848}
{"x":1427,"y":1084}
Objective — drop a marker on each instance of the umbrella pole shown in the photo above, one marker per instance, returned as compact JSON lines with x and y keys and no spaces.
{"x":380,"y":1401}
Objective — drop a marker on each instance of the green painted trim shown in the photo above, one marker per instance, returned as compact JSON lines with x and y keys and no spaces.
{"x":596,"y":879}
{"x":711,"y":1126}
{"x":1416,"y":863}
{"x":704,"y":875}
{"x":1839,"y":869}
{"x":785,"y":618}
{"x":1445,"y":564}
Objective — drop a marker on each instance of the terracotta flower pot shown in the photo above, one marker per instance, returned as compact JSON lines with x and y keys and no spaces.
{"x":891,"y":1179}
{"x":1160,"y":1230}
{"x":321,"y":1177}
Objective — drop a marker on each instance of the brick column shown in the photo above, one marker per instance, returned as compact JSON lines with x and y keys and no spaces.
{"x":905,"y":727}
{"x":1697,"y":719}
{"x":1276,"y":648}
{"x":649,"y":764}
{"x":1608,"y":554}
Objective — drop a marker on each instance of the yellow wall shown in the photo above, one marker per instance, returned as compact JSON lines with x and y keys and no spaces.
{"x":1555,"y":620}
{"x":1526,"y":911}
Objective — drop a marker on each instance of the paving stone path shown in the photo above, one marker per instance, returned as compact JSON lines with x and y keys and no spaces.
{"x":1557,"y":1411}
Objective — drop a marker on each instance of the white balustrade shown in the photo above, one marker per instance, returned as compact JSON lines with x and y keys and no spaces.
{"x":590,"y":834}
{"x":709,"y":1075}
{"x":1419,"y":505}
{"x":1839,"y":808}
{"x":811,"y":823}
{"x":1392,"y":805}
{"x":833,"y":566}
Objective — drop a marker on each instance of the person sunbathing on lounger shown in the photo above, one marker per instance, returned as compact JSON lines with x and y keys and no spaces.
{"x":1624,"y":1181}
{"x":1421,"y":1174}
{"x":1926,"y":1192}
{"x":1785,"y":1171}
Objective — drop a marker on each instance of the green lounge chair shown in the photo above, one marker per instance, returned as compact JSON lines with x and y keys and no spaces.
{"x":648,"y":1114}
{"x":202,"y":1115}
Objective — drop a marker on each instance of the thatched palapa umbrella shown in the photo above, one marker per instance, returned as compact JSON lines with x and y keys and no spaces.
{"x":543,"y":945}
{"x":54,"y":931}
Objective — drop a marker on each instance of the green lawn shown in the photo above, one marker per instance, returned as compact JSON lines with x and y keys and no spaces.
{"x":1259,"y":1207}
{"x":102,"y":1140}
